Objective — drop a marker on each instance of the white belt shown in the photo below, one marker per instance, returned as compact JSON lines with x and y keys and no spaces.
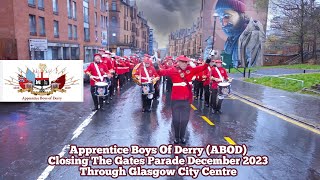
{"x":123,"y":67}
{"x":181,"y":84}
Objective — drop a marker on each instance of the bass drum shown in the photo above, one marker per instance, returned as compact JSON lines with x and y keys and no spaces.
{"x":134,"y":70}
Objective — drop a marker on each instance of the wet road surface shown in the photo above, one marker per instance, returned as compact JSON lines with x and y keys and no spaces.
{"x":30,"y":132}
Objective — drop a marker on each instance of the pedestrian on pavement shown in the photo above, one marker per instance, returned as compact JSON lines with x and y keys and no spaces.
{"x":181,"y":95}
{"x":96,"y":70}
{"x":218,"y":74}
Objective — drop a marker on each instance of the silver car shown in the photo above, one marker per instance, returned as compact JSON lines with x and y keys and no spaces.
{"x":86,"y":78}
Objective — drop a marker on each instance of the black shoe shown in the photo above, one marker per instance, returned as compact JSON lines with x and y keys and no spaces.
{"x":214,"y":111}
{"x":176,"y":141}
{"x":183,"y":141}
{"x":108,"y":102}
{"x":219,"y":111}
{"x":207,"y":105}
{"x":148,"y":110}
{"x":101,"y":108}
{"x":110,"y":98}
{"x":143,"y":110}
{"x":95,"y":108}
{"x":196,"y":98}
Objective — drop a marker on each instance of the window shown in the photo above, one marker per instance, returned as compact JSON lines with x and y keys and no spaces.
{"x":96,"y":34}
{"x":86,"y":14}
{"x":40,"y":4}
{"x":106,"y":22}
{"x":114,"y":5}
{"x":102,"y":5}
{"x":74,"y":10}
{"x":101,"y":21}
{"x":86,"y":34}
{"x":55,"y":6}
{"x":69,"y":31}
{"x":69,"y":6}
{"x":95,"y":3}
{"x":95,"y":18}
{"x":42,"y":26}
{"x":31,"y":2}
{"x":75,"y":32}
{"x":124,"y":22}
{"x":32,"y":25}
{"x":56,"y":29}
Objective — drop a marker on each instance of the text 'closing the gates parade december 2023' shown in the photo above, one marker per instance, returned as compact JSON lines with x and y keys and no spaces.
{"x":115,"y":161}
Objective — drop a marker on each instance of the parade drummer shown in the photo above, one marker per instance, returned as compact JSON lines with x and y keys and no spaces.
{"x":144,"y":71}
{"x":215,"y":80}
{"x":181,"y":95}
{"x":95,"y":70}
{"x":107,"y":61}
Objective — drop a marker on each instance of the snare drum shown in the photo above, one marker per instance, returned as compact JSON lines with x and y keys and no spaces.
{"x":101,"y":89}
{"x":224,"y":90}
{"x":148,"y":89}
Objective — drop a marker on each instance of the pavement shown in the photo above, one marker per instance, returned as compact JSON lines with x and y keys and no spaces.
{"x":301,"y":107}
{"x":31,"y":132}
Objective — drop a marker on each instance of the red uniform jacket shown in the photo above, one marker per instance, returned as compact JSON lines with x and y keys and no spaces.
{"x":151,"y":71}
{"x":92,"y":70}
{"x":108,"y":62}
{"x":120,"y":67}
{"x":215,"y":74}
{"x":182,"y":91}
{"x":202,"y":76}
{"x":207,"y":82}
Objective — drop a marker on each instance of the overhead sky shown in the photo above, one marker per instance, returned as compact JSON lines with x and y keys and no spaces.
{"x":166,"y":16}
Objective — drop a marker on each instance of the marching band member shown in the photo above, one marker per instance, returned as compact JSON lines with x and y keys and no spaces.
{"x":181,"y":95}
{"x":215,"y":78}
{"x":146,"y":74}
{"x":107,"y":60}
{"x":206,"y":85}
{"x":198,"y":83}
{"x":120,"y":70}
{"x":167,"y":64}
{"x":96,"y":70}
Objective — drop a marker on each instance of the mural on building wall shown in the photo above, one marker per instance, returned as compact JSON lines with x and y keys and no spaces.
{"x":245,"y":35}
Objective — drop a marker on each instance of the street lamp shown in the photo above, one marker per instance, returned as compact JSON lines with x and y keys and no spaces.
{"x":215,"y":15}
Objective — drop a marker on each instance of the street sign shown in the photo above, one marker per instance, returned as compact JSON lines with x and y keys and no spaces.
{"x":38,"y":44}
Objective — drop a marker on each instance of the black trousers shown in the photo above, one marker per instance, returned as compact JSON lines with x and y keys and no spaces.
{"x":146,"y":102}
{"x":206,"y":94}
{"x":95,"y":98}
{"x":198,"y":89}
{"x":157,"y":89}
{"x":215,"y":102}
{"x":180,"y":117}
{"x":169,"y":84}
{"x":112,"y":86}
{"x":121,"y":79}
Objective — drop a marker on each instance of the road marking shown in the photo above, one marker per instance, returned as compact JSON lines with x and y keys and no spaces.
{"x":193,"y":107}
{"x":229,"y":140}
{"x":281,"y":116}
{"x":76,"y":134}
{"x":207,"y":120}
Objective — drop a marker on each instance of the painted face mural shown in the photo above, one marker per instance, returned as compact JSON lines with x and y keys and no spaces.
{"x":245,"y":36}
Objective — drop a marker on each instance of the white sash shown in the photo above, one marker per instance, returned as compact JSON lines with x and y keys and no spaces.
{"x":146,"y":72}
{"x":98,"y":71}
{"x":219,"y":74}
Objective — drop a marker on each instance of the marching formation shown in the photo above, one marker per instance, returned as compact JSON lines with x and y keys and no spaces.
{"x":186,"y":79}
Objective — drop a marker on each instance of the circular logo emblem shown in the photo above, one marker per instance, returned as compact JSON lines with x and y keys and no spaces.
{"x":182,"y":75}
{"x":150,"y":71}
{"x":188,"y":72}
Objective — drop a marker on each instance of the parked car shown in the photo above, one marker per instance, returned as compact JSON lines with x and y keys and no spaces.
{"x":86,"y":78}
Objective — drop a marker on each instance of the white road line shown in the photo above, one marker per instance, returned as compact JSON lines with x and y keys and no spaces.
{"x":76,"y":134}
{"x":84,"y":124}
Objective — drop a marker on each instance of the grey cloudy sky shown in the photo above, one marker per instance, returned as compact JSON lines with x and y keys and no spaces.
{"x":166,"y":16}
